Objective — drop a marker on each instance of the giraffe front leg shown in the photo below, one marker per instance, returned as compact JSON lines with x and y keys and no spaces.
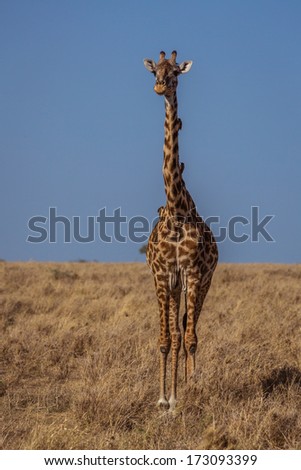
{"x":164,"y":340}
{"x":162,"y":402}
{"x":174,"y":306}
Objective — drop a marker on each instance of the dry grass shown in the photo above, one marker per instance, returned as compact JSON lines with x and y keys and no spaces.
{"x":79,"y":361}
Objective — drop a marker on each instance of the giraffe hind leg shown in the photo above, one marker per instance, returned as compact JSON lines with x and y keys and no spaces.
{"x":190,"y":349}
{"x":184,"y":329}
{"x":175,"y":331}
{"x":189,"y":323}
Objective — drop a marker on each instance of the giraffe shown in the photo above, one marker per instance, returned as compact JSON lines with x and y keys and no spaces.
{"x":181,"y":251}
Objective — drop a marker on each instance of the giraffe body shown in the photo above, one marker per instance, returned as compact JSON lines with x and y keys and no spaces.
{"x":181,"y":251}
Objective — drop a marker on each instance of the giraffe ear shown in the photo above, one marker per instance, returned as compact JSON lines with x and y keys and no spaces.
{"x":150,"y":65}
{"x":184,"y":67}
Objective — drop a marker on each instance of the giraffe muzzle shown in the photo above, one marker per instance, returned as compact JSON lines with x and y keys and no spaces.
{"x":160,"y":89}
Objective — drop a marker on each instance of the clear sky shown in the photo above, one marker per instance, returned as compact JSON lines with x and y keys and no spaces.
{"x":81,"y":128}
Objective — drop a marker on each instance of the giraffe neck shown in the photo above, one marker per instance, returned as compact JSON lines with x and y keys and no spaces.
{"x":172,"y":172}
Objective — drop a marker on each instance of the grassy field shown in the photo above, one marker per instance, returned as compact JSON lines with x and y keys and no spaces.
{"x":79,"y":360}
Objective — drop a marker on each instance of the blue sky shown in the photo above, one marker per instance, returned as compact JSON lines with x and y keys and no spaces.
{"x":81,"y":128}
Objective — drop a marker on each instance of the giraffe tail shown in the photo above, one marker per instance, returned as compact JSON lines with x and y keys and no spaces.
{"x":184,"y":287}
{"x":184,"y":321}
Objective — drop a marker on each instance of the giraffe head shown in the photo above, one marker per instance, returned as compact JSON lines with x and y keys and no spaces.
{"x":166,"y":72}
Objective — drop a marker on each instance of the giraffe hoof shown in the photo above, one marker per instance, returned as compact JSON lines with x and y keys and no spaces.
{"x":163,"y":404}
{"x":172,"y":404}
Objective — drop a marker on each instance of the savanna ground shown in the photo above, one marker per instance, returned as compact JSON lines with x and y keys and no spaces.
{"x":79,"y":360}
